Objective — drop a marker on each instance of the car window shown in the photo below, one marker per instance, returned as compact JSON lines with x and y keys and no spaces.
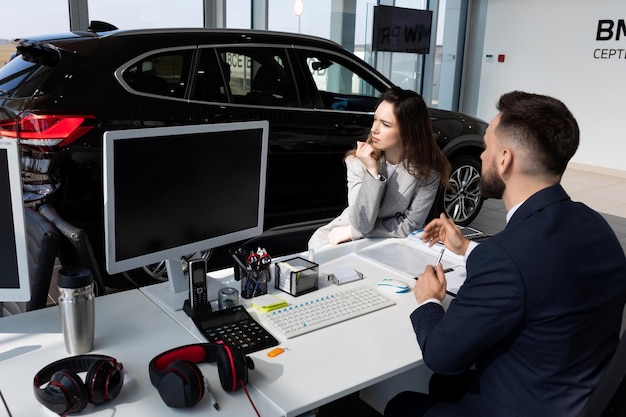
{"x":259,"y":76}
{"x":163,"y":73}
{"x":211,"y":77}
{"x":341,"y":84}
{"x":21,"y":78}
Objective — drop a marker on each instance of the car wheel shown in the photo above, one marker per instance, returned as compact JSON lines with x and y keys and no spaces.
{"x":462,"y":201}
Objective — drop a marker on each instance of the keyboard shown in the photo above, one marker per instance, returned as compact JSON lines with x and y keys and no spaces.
{"x":326,"y":310}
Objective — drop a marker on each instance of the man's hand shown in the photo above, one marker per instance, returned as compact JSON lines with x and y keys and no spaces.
{"x":430,"y":284}
{"x":445,"y":230}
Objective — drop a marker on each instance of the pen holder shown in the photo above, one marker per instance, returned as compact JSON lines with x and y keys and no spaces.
{"x":253,"y":270}
{"x":297,"y":276}
{"x":254,"y":283}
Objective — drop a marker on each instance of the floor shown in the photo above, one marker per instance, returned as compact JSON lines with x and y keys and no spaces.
{"x":606,"y":194}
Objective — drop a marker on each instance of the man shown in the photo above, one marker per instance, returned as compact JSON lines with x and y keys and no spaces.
{"x":540,"y":311}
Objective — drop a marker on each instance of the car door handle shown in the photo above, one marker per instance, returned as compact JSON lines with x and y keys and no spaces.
{"x":217,"y":118}
{"x":348,"y":126}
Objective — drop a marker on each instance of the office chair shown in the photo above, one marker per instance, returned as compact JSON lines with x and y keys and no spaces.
{"x":608,"y":398}
{"x":80,"y":252}
{"x":42,"y":241}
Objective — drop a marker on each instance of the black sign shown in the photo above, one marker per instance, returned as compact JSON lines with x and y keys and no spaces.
{"x":398,"y":29}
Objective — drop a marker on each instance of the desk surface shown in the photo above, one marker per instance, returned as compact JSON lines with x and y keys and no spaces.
{"x":317,"y":368}
{"x":330,"y":363}
{"x":129,"y":327}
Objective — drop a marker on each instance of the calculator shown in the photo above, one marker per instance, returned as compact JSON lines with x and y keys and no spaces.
{"x":235,"y":326}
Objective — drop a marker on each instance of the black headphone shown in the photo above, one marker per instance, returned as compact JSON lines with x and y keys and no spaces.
{"x":67,"y":393}
{"x":180,"y":382}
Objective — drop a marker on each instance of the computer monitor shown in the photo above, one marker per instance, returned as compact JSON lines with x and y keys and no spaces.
{"x":14,"y":280}
{"x":173,"y":191}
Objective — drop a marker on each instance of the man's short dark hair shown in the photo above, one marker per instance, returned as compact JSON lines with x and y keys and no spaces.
{"x":542,"y":124}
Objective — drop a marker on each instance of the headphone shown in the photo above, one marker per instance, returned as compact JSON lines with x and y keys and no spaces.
{"x":67,"y":393}
{"x":180,"y":382}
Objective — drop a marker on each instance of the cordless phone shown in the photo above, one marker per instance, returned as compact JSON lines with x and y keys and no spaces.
{"x":198,"y":294}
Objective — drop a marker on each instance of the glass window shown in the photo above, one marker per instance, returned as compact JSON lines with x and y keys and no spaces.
{"x":259,"y":76}
{"x":314,"y":20}
{"x":20,"y":78}
{"x":341,"y":84}
{"x":163,"y":74}
{"x":211,"y":76}
{"x":238,"y":14}
{"x":37,"y":17}
{"x":141,"y":14}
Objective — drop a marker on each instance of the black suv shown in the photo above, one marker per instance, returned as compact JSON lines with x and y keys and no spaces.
{"x":60,"y":93}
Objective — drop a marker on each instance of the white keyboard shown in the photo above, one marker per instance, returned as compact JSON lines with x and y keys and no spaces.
{"x":326,"y":310}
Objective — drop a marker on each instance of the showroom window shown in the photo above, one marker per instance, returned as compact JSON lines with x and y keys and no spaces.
{"x":143,"y":14}
{"x":34,"y":18}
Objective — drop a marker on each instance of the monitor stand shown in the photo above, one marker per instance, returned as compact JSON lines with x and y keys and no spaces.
{"x":173,"y":293}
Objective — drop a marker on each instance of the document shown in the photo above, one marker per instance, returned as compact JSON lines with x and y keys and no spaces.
{"x":410,"y":260}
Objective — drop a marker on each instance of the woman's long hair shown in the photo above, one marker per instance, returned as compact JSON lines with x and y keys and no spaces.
{"x":420,"y":153}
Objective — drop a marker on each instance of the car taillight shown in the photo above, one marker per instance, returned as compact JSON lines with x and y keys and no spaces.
{"x":47,"y":130}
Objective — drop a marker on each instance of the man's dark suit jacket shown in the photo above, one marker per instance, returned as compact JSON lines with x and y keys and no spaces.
{"x":538,"y":315}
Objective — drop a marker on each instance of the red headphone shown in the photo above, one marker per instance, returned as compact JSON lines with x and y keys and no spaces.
{"x":67,"y":393}
{"x":180,"y":382}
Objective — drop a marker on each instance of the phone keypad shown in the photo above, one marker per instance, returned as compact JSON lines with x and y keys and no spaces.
{"x":199,"y":296}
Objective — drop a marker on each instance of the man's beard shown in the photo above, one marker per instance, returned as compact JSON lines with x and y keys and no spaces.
{"x":491,"y":185}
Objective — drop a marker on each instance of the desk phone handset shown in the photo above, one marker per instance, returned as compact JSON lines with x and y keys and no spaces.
{"x":198,"y":302}
{"x":198,"y":294}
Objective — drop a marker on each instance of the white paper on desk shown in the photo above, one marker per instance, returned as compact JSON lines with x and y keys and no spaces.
{"x":402,"y":258}
{"x":411,"y":261}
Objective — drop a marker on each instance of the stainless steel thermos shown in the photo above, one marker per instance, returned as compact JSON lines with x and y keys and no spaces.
{"x":76,"y":304}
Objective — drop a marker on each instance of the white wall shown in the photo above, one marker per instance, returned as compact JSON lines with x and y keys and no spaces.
{"x":549,"y":49}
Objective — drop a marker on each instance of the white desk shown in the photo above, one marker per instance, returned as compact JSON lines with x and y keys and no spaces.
{"x":330,"y":363}
{"x":130,"y":328}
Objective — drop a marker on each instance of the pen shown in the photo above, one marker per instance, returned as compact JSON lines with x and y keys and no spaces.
{"x":440,"y":256}
{"x":450,"y":293}
{"x":211,"y":396}
{"x":5,"y":404}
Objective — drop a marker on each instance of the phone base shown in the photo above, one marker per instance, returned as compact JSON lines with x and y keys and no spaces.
{"x":198,"y":310}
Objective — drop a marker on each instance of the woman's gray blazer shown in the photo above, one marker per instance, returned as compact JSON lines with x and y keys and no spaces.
{"x":385,"y":207}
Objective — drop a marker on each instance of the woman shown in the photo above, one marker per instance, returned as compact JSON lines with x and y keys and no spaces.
{"x":393,"y":177}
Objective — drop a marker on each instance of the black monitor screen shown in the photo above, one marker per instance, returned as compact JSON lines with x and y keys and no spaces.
{"x":14,"y":282}
{"x":8,"y":254}
{"x":174,"y":191}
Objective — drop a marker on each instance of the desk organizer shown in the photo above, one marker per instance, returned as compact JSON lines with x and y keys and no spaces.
{"x":296,"y":276}
{"x":252,"y":268}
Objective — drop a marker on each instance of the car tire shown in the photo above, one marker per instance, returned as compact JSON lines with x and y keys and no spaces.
{"x":463,"y":201}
